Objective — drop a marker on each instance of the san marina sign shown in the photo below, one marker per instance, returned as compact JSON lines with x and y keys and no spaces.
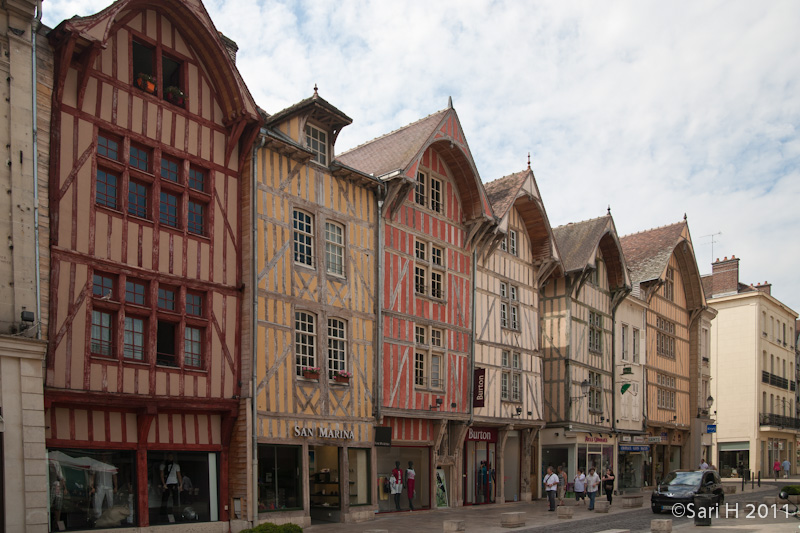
{"x":324,"y":433}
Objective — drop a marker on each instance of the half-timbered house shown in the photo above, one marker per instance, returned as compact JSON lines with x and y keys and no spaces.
{"x":315,"y":267}
{"x":665,"y":275}
{"x":577,"y":313}
{"x":151,"y":126}
{"x":508,"y":364}
{"x":433,"y":217}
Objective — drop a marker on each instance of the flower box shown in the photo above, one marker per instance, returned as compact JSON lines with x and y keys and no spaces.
{"x":174,"y":95}
{"x":341,"y":379}
{"x":146,"y":83}
{"x":311,"y":375}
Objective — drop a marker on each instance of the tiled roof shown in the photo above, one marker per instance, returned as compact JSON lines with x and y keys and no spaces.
{"x":315,"y":100}
{"x":577,"y":241}
{"x":502,"y":192}
{"x":647,"y":253}
{"x":393,"y":151}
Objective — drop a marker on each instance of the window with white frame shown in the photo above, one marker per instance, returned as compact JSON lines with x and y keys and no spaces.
{"x":337,"y":346}
{"x":429,"y":269}
{"x":511,"y":377}
{"x":504,"y":314}
{"x":436,"y":195}
{"x":509,"y":307}
{"x":437,"y":256}
{"x":428,"y":357}
{"x":317,"y":142}
{"x":420,"y":277}
{"x":624,"y":341}
{"x":635,"y":350}
{"x":503,"y":290}
{"x":437,"y":285}
{"x":504,"y":244}
{"x":665,"y":394}
{"x":665,"y":337}
{"x":595,"y":392}
{"x":303,"y":238}
{"x":421,"y":190}
{"x":305,"y":341}
{"x":512,"y":242}
{"x":514,"y":316}
{"x":595,"y":332}
{"x":334,"y":248}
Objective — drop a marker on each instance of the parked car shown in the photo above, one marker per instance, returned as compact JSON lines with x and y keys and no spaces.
{"x":681,"y":486}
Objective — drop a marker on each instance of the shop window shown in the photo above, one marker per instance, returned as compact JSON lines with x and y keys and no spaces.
{"x":305,"y":341}
{"x":334,"y":248}
{"x":166,"y":348}
{"x":360,"y":476}
{"x":102,"y":333}
{"x":325,"y":489}
{"x":196,"y":474}
{"x":280,"y":485}
{"x":303,"y":238}
{"x":107,"y":189}
{"x":85,"y":485}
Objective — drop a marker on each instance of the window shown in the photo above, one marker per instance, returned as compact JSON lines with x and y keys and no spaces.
{"x":107,"y":146}
{"x":516,"y":381}
{"x":595,"y":332}
{"x":303,"y":238}
{"x":510,"y":378}
{"x":305,"y":338}
{"x":420,"y":250}
{"x":437,"y":256}
{"x":168,"y":209}
{"x":624,"y":340}
{"x":669,"y":285}
{"x":665,"y":395}
{"x":595,"y":392}
{"x":503,"y":290}
{"x":420,"y":196}
{"x":514,"y":317}
{"x":513,"y":293}
{"x":137,"y":199}
{"x":337,"y":346}
{"x":635,"y":345}
{"x":143,"y":59}
{"x":420,"y":275}
{"x":504,"y":315}
{"x":140,"y":158}
{"x":170,"y":73}
{"x":436,"y":195}
{"x":419,"y":369}
{"x":317,"y":141}
{"x":166,"y":345}
{"x":334,"y":248}
{"x":144,"y":68}
{"x":509,"y":311}
{"x":196,"y":218}
{"x":504,"y":244}
{"x":436,"y":284}
{"x":103,"y":286}
{"x":135,"y":292}
{"x":194,"y":304}
{"x":192,"y":347}
{"x":197,"y":179}
{"x":102,"y":333}
{"x":107,"y":185}
{"x":436,"y":371}
{"x":166,"y":298}
{"x":436,"y":338}
{"x":169,"y":168}
{"x":504,"y":385}
{"x":428,"y":365}
{"x":134,"y":338}
{"x":665,"y":337}
{"x":280,"y":488}
{"x":512,"y":242}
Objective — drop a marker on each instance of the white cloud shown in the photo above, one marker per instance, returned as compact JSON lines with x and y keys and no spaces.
{"x":658,"y":109}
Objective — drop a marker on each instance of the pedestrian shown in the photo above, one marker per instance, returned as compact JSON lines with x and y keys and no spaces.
{"x":786,"y":466}
{"x":592,"y":485}
{"x":703,"y":464}
{"x":579,"y":485}
{"x":562,"y":485}
{"x":608,"y":484}
{"x":551,"y":486}
{"x":776,"y":467}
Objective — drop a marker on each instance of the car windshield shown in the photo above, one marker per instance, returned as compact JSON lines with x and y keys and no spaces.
{"x":683,"y":478}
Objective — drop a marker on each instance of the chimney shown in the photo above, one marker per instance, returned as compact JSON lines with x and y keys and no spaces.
{"x":725,"y":276}
{"x":764,"y":287}
{"x":230,"y":46}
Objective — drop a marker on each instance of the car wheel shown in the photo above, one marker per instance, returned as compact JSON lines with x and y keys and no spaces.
{"x":656,"y":509}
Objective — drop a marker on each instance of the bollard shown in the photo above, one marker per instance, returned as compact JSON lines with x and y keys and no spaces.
{"x":759,"y":479}
{"x":661,"y":525}
{"x":703,"y":508}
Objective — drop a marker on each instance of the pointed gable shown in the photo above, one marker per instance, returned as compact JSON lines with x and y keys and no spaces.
{"x":400,"y":152}
{"x":579,"y":242}
{"x":648,"y":253}
{"x":317,"y":109}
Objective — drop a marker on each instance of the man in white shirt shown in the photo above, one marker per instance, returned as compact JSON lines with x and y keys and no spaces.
{"x":551,"y":486}
{"x":703,"y":465}
{"x":592,"y":485}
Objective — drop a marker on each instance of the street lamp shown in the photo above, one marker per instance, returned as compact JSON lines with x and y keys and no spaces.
{"x":585,"y":386}
{"x":709,"y":402}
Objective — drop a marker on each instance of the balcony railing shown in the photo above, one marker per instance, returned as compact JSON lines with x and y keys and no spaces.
{"x":774,"y":380}
{"x":767,"y":419}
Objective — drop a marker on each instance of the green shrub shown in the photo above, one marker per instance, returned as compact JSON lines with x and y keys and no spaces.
{"x":791,"y":490}
{"x":268,"y":527}
{"x":290,"y":528}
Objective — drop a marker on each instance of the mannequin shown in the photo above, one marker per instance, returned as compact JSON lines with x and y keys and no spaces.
{"x":410,"y":480}
{"x":397,"y":484}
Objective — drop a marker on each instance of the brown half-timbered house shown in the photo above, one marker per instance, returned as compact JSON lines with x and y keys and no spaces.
{"x":577,"y":313}
{"x":665,"y":275}
{"x":507,"y":357}
{"x":433,"y":217}
{"x":151,"y":126}
{"x":315,"y":266}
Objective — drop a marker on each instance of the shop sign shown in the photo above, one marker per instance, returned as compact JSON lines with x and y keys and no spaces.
{"x":587,"y":438}
{"x":383,"y":436}
{"x":639,"y":439}
{"x":632,"y":448}
{"x":626,"y":438}
{"x":482,"y":434}
{"x":324,"y":433}
{"x":655,"y":439}
{"x":479,"y":396}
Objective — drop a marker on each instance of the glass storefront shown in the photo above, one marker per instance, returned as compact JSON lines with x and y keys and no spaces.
{"x":325,"y":490}
{"x":420,"y":457}
{"x":481,"y":479}
{"x":511,"y":467}
{"x":280,"y":485}
{"x":360,"y":490}
{"x":182,"y":487}
{"x":634,"y":465}
{"x":597,"y":456}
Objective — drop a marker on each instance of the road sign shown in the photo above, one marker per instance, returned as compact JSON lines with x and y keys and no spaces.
{"x":711,"y":428}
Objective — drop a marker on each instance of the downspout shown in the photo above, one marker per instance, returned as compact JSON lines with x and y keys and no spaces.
{"x":472,"y":337}
{"x":251,"y":508}
{"x":34,"y":133}
{"x":617,"y":299}
{"x":379,"y":310}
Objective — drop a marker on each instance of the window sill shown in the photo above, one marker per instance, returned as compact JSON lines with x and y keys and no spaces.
{"x":511,"y":400}
{"x":339,"y":278}
{"x":509,"y":328}
{"x":305,"y":266}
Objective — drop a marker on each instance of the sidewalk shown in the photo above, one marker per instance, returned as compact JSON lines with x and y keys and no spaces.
{"x":486,"y":518}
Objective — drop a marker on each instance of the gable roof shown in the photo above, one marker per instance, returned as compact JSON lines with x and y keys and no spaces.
{"x":318,"y":109}
{"x":579,"y":242}
{"x":400,"y":152}
{"x":648,"y":253}
{"x":520,"y":191}
{"x":192,"y":20}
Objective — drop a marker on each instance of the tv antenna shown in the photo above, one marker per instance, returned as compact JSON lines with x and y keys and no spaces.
{"x":712,"y":235}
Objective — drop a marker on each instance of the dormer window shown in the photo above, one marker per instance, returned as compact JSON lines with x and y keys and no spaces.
{"x":317,"y":142}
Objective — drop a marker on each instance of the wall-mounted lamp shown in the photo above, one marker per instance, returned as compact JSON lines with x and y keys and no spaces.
{"x":709,"y":401}
{"x":439,"y":403}
{"x":453,"y":405}
{"x":518,"y":413}
{"x":585,"y":386}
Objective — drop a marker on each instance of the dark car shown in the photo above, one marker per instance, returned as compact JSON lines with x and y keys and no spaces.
{"x":681,"y":486}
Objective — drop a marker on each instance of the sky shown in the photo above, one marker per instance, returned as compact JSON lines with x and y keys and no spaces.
{"x":656,"y":109}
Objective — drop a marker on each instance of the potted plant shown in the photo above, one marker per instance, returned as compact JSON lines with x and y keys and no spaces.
{"x":146,"y":82}
{"x":342,"y":376}
{"x":311,"y":372}
{"x":174,"y":95}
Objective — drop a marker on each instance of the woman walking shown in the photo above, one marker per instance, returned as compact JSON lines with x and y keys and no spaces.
{"x":580,"y":486}
{"x":562,"y":485}
{"x":608,"y":484}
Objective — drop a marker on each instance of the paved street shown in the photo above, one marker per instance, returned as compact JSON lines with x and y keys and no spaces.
{"x":486,"y":519}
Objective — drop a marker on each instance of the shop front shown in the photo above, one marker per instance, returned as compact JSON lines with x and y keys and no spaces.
{"x":572,"y":450}
{"x":319,"y":472}
{"x":480,"y":462}
{"x":734,"y":458}
{"x":409,"y":455}
{"x":775,"y":447}
{"x":667,"y":453}
{"x":633,"y":463}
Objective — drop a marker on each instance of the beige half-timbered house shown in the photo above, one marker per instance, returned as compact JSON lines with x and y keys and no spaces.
{"x":433,"y":217}
{"x":151,"y":125}
{"x":314,"y":329}
{"x":508,"y":364}
{"x":577,"y":314}
{"x":665,"y":275}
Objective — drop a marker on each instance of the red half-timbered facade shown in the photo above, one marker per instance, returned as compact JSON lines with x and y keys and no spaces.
{"x":151,"y":126}
{"x":434,"y":216}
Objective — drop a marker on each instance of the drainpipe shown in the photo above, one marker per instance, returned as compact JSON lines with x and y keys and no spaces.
{"x":34,"y":133}
{"x":472,"y":337}
{"x":251,"y":509}
{"x":379,"y":309}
